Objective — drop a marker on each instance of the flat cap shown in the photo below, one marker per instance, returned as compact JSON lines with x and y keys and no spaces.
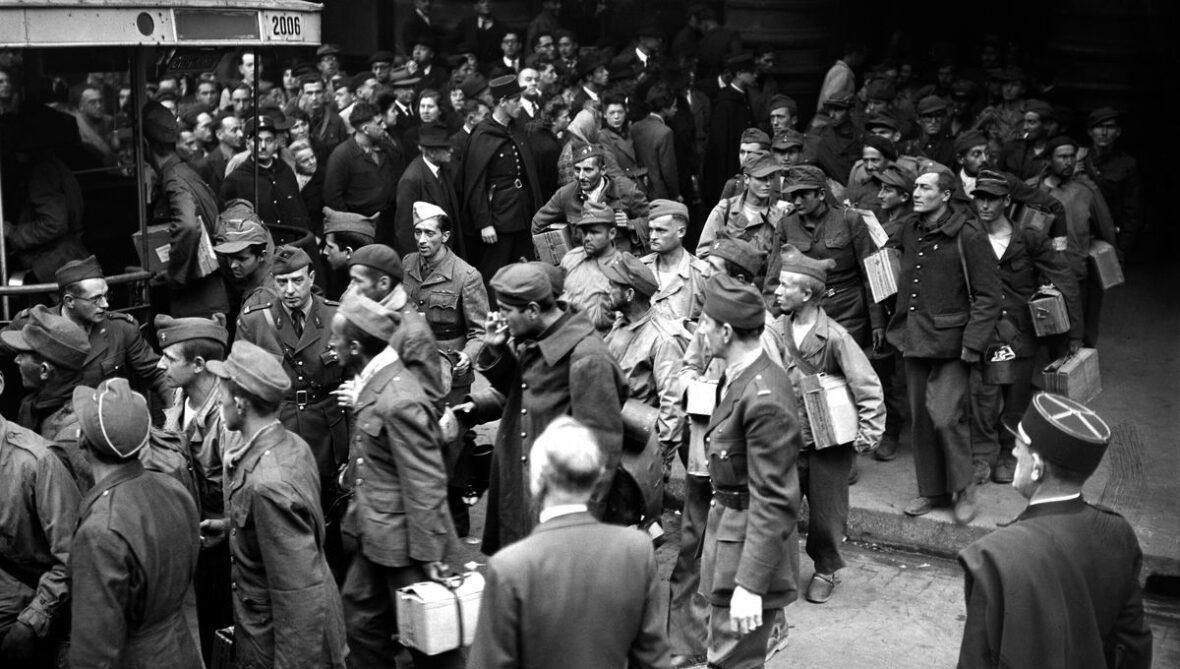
{"x":1102,"y":115}
{"x":255,"y":370}
{"x":991,"y":183}
{"x":473,"y":85}
{"x":432,"y":136}
{"x":880,"y":89}
{"x":931,"y":104}
{"x":586,"y":151}
{"x":159,"y":124}
{"x":796,"y":263}
{"x":289,"y":259}
{"x":52,"y":336}
{"x":755,"y":136}
{"x":519,"y":284}
{"x":969,"y":140}
{"x":1058,"y":142}
{"x":78,"y":270}
{"x":740,"y":62}
{"x":114,"y":418}
{"x":627,"y":270}
{"x":346,"y":221}
{"x":368,"y":315}
{"x":424,"y":211}
{"x":741,"y":253}
{"x":1064,"y":432}
{"x":596,"y":213}
{"x":883,"y":146}
{"x":172,"y":331}
{"x":505,"y":87}
{"x":1040,"y":108}
{"x":382,"y":56}
{"x":805,"y":177}
{"x":895,"y":176}
{"x":763,"y":167}
{"x":661,"y":207}
{"x":779,"y":101}
{"x":728,"y":300}
{"x":240,"y":235}
{"x":359,"y":79}
{"x":327,"y":50}
{"x":787,"y":139}
{"x":881,"y":121}
{"x":842,"y":100}
{"x":379,"y":257}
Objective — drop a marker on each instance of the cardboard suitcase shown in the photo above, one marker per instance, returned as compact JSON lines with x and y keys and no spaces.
{"x":1104,"y":260}
{"x":883,"y":268}
{"x":553,"y":244}
{"x":159,"y":251}
{"x":435,"y":618}
{"x":1049,"y":315}
{"x":831,"y":411}
{"x":1075,"y":376}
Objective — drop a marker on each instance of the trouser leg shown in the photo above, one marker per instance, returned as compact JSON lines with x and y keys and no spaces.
{"x":728,"y":649}
{"x":826,"y":474}
{"x":1091,"y":292}
{"x":688,"y":610}
{"x":948,"y":406}
{"x":986,"y":405}
{"x":888,"y":371}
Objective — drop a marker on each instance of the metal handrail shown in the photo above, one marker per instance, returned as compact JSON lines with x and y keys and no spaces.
{"x":39,"y":288}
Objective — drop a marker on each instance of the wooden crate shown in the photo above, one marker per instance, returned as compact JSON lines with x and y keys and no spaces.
{"x":553,"y":244}
{"x":831,"y":411}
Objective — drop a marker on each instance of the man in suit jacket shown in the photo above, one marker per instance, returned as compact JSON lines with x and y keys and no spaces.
{"x":480,"y":33}
{"x":1079,"y":561}
{"x":750,"y":560}
{"x":654,"y":144}
{"x":525,"y":619}
{"x":427,"y":179}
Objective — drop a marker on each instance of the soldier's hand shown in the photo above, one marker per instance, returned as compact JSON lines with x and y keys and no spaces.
{"x":464,"y":364}
{"x":19,"y":644}
{"x":488,"y":234}
{"x":213,"y":532}
{"x":495,"y":330}
{"x":346,"y":394}
{"x":745,"y":610}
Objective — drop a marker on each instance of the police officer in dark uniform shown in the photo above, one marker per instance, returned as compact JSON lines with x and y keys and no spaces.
{"x":296,"y":328}
{"x":117,"y":347}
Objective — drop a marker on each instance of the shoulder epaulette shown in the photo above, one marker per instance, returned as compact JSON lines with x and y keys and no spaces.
{"x":121,"y":316}
{"x":332,"y":303}
{"x":256,"y":307}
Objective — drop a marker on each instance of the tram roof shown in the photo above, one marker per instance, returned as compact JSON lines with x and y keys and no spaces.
{"x":83,"y":23}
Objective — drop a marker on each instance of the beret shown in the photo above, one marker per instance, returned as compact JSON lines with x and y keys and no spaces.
{"x":787,"y":139}
{"x":240,"y":235}
{"x":519,"y":284}
{"x":596,"y":213}
{"x":728,"y":300}
{"x":505,"y":87}
{"x":805,"y":177}
{"x":628,"y":270}
{"x":778,"y":101}
{"x":885,"y":146}
{"x":172,"y":331}
{"x":52,"y":336}
{"x":661,"y":207}
{"x":346,"y":221}
{"x":289,"y":259}
{"x":931,"y":104}
{"x":424,"y":211}
{"x":432,"y":136}
{"x":763,"y":167}
{"x":880,"y":89}
{"x":895,"y":176}
{"x":741,"y":253}
{"x":1040,"y":108}
{"x":992,"y":183}
{"x":969,"y":140}
{"x":253,"y":369}
{"x":1064,"y":432}
{"x":379,"y":257}
{"x":78,"y":270}
{"x":359,"y":80}
{"x":159,"y":124}
{"x":368,"y":315}
{"x":1058,"y":142}
{"x":755,"y":136}
{"x":382,"y":56}
{"x":1102,"y":115}
{"x":114,"y":418}
{"x":795,"y":262}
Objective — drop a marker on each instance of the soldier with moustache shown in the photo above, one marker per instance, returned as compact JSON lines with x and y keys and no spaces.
{"x":295,"y":328}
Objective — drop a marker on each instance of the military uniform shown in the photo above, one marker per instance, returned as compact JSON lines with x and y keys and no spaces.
{"x":681,"y":295}
{"x":618,"y":193}
{"x":40,"y":503}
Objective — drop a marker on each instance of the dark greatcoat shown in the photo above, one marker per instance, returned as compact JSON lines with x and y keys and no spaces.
{"x":279,"y":200}
{"x":568,"y":371}
{"x":731,"y":116}
{"x":1058,"y":588}
{"x":507,"y":211}
{"x":132,"y":561}
{"x":752,"y":442}
{"x":187,"y":203}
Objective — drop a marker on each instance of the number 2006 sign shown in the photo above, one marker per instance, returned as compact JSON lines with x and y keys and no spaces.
{"x":284,"y":27}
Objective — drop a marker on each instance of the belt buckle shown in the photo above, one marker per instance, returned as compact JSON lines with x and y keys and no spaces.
{"x":517,"y":183}
{"x":300,"y":399}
